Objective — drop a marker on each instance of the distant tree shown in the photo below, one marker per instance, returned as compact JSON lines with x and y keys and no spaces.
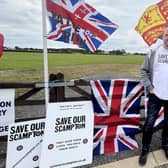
{"x":17,"y":48}
{"x":118,"y":52}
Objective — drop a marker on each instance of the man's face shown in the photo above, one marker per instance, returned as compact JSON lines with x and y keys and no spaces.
{"x":165,"y":38}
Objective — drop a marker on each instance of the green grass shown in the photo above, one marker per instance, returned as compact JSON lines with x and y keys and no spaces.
{"x":21,"y":61}
{"x":28,"y":66}
{"x":31,"y":61}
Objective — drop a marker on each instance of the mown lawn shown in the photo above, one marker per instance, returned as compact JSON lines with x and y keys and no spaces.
{"x":29,"y":61}
{"x":28,"y":66}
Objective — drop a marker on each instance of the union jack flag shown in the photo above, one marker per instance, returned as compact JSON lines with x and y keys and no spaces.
{"x":117,"y":114}
{"x":76,"y":22}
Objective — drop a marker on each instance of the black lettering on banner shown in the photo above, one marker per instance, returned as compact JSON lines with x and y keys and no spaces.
{"x":5,"y":104}
{"x":4,"y":128}
{"x":63,"y":120}
{"x":26,"y":131}
{"x":38,"y":133}
{"x":61,"y":128}
{"x":69,"y":123}
{"x":19,"y":129}
{"x":12,"y":130}
{"x":37,"y":126}
{"x":3,"y":112}
{"x":20,"y":136}
{"x":78,"y":119}
{"x":79,"y":126}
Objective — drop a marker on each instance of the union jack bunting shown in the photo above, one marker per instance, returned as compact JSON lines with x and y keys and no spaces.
{"x":76,"y":22}
{"x":117,"y":114}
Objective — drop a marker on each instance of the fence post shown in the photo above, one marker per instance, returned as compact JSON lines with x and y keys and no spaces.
{"x":57,"y":94}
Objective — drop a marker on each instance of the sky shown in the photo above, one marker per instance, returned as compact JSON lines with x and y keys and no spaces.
{"x":21,"y":24}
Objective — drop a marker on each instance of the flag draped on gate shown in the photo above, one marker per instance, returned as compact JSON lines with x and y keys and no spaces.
{"x":153,"y":21}
{"x":76,"y":22}
{"x":117,"y":114}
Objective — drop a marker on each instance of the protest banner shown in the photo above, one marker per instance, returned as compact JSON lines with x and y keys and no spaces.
{"x":7,"y":110}
{"x":24,"y":144}
{"x":68,"y":138}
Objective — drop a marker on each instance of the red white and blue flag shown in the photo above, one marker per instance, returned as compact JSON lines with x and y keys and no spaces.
{"x":76,"y":22}
{"x":117,"y":114}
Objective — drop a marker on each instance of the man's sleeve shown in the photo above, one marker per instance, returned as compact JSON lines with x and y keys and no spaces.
{"x":146,"y":75}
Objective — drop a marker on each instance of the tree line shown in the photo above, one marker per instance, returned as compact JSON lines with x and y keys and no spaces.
{"x":70,"y":50}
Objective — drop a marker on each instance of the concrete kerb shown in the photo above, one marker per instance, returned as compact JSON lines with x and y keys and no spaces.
{"x":155,"y":159}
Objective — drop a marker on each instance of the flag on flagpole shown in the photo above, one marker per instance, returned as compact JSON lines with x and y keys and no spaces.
{"x":45,"y":53}
{"x":152,"y":22}
{"x":1,"y":44}
{"x":117,"y":114}
{"x":76,"y":22}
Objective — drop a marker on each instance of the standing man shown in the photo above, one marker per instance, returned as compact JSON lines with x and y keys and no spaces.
{"x":154,"y":73}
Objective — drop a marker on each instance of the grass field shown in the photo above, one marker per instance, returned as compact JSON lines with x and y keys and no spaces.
{"x":27,"y":66}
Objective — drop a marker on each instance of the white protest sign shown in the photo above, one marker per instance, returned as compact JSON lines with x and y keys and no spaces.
{"x":24,"y":144}
{"x":7,"y":109}
{"x":68,"y":137}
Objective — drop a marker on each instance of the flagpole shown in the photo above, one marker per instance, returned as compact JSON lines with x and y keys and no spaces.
{"x":45,"y":56}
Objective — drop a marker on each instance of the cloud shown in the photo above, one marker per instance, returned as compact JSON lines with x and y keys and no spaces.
{"x":21,"y":23}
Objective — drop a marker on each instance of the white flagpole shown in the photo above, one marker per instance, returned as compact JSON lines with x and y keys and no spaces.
{"x":45,"y":53}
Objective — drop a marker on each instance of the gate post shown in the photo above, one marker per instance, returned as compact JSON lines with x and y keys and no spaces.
{"x":56,"y":94}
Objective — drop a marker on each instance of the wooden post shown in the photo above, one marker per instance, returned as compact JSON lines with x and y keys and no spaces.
{"x":57,"y":94}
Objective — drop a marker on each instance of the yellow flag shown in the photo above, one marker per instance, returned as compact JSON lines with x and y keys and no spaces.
{"x":153,"y":21}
